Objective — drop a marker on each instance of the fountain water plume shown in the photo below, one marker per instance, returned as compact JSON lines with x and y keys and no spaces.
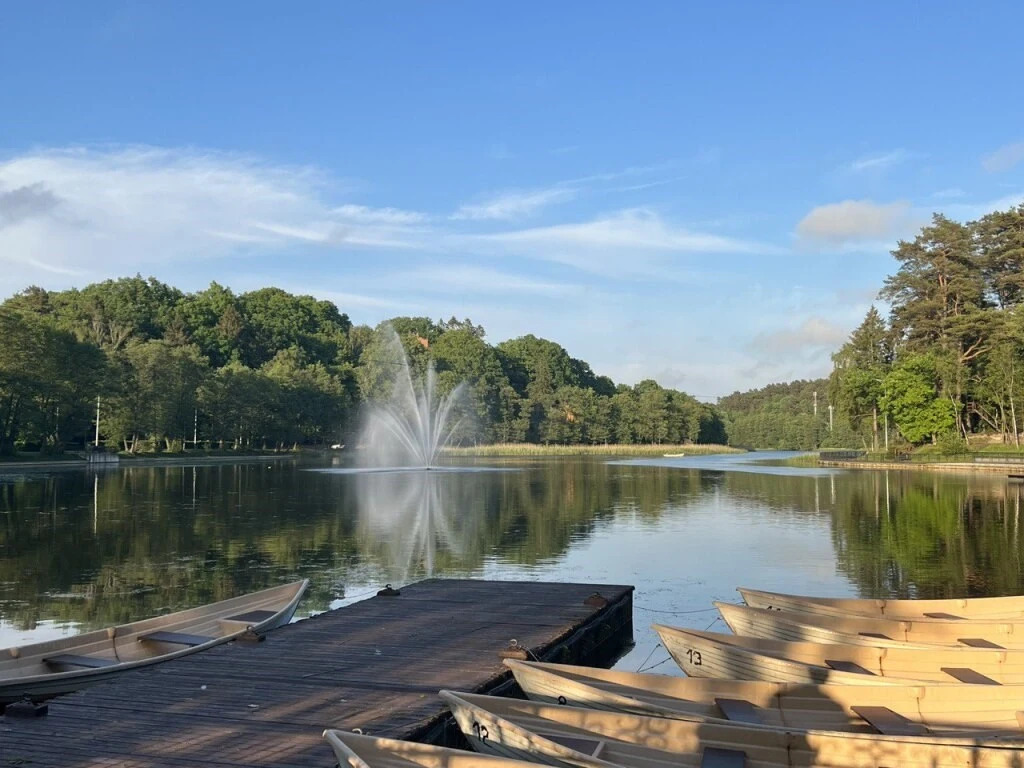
{"x":413,"y":426}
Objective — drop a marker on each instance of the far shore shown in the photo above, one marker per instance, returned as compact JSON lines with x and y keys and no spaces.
{"x":69,"y":461}
{"x":610,"y":449}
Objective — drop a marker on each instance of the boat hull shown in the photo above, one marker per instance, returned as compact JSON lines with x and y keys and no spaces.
{"x":26,"y":673}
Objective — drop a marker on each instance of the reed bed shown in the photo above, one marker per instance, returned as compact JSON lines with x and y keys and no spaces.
{"x":530,"y":449}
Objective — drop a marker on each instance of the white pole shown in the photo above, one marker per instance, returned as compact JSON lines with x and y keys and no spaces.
{"x":830,"y":417}
{"x":195,"y":429}
{"x":97,"y":443}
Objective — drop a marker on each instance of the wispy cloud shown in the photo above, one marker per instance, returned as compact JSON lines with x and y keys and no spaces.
{"x":514,"y":204}
{"x":949,"y":193}
{"x":1004,"y":158}
{"x":119,"y":209}
{"x":627,"y":242}
{"x":876,"y":162}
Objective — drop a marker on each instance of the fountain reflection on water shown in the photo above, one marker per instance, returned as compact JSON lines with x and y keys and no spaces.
{"x":410,"y":520}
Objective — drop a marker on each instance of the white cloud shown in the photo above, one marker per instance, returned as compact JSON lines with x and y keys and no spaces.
{"x":514,"y":204}
{"x":813,"y":334}
{"x":877,"y":162}
{"x":857,"y":220}
{"x":1004,"y":158}
{"x":97,"y":212}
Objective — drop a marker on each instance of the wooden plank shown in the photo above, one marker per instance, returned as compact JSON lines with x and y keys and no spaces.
{"x":375,"y":665}
{"x":847,"y":666}
{"x":968,"y":675}
{"x":74,"y":660}
{"x":716,"y":757}
{"x":252,"y":617}
{"x":889,"y":723}
{"x":739,"y":710}
{"x":979,"y":642}
{"x":177,"y":638}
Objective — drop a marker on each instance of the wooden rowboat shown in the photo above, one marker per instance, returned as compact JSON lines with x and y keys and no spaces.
{"x":711,"y":654}
{"x":358,"y":751}
{"x":54,"y":667}
{"x":912,"y":710}
{"x":962,"y":609}
{"x":799,"y":626}
{"x":586,"y":737}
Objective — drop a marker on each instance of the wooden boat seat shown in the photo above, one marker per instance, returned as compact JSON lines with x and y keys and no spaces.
{"x":74,"y":660}
{"x":252,"y":617}
{"x":848,"y":666}
{"x":876,"y":635}
{"x":177,"y":638}
{"x":979,"y":642}
{"x":968,"y":675}
{"x":889,"y":723}
{"x":716,"y":757}
{"x":590,"y":747}
{"x":940,"y":615}
{"x":739,"y":710}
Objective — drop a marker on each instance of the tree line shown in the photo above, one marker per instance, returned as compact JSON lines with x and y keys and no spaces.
{"x":945,"y":365}
{"x":271,"y":369}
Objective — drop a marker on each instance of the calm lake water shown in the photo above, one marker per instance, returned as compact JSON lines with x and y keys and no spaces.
{"x":80,"y":550}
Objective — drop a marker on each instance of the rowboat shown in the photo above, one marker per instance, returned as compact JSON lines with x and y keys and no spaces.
{"x":586,"y":737}
{"x":801,"y":626}
{"x":912,"y":710}
{"x":53,"y":667}
{"x":961,"y":609}
{"x":711,"y":654}
{"x":358,"y":751}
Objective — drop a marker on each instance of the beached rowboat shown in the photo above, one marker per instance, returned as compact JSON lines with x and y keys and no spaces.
{"x":960,"y":609}
{"x":711,"y":654}
{"x":586,"y":737}
{"x":54,"y":667}
{"x":358,"y":751}
{"x":913,"y":710}
{"x":800,"y":626}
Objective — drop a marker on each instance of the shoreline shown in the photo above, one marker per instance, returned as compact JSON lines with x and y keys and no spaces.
{"x":526,"y":450}
{"x":967,"y":467}
{"x":142,"y":461}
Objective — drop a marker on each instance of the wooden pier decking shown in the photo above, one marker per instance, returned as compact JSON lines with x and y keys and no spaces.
{"x":375,"y":665}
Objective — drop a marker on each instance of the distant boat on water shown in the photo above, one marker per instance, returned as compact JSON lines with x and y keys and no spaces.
{"x":673,"y":455}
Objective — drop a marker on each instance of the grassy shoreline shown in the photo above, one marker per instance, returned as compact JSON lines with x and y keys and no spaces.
{"x":530,"y":449}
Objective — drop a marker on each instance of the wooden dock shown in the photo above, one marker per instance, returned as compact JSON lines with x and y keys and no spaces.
{"x":375,"y":665}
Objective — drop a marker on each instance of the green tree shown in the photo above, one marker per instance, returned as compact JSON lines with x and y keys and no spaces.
{"x":913,"y":399}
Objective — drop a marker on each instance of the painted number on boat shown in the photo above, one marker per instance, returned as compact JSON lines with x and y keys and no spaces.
{"x":480,"y":731}
{"x":693,"y":656}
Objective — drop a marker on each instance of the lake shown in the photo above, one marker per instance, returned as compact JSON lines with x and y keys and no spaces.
{"x":80,"y":550}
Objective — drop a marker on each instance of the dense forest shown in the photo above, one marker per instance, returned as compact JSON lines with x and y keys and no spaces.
{"x":944,"y":368}
{"x":271,"y":369}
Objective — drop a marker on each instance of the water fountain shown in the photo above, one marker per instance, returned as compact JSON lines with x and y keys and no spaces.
{"x":412,"y":427}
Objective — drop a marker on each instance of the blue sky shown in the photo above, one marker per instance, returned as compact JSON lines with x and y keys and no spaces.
{"x":703,"y":195}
